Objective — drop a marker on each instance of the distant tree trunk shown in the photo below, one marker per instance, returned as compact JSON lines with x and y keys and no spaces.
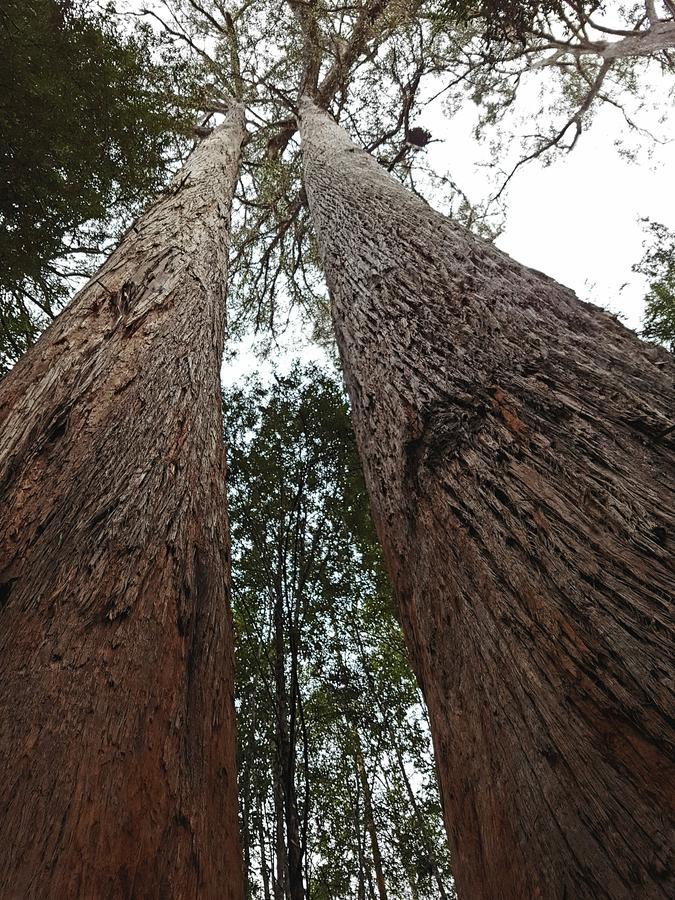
{"x":117,"y":771}
{"x":354,"y":797}
{"x":245,"y":834}
{"x":280,"y":883}
{"x":442,"y":893}
{"x":264,"y":869}
{"x":522,"y":488}
{"x":285,"y":741}
{"x":369,"y":816}
{"x":394,"y":739}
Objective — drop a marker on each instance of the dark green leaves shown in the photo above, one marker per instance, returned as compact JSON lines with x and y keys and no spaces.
{"x":322,"y":672}
{"x":86,"y":127}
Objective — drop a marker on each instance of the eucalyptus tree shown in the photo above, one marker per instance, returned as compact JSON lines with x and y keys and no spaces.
{"x":519,"y":460}
{"x":87,"y":129}
{"x":337,"y":790}
{"x":369,"y":61}
{"x":117,"y":766}
{"x":482,"y":455}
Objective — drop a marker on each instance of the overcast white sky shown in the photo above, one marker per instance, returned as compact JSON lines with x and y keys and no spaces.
{"x":577,"y":220}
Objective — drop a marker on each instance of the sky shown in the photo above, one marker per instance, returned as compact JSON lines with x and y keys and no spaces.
{"x":577,"y":220}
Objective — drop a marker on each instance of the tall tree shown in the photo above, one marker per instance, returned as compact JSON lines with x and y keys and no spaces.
{"x":521,"y":482}
{"x":117,"y":770}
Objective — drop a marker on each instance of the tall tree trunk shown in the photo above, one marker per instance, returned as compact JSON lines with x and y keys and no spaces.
{"x":117,"y":767}
{"x":521,"y":485}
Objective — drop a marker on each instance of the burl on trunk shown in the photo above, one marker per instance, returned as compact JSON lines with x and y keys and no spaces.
{"x":117,"y":771}
{"x":514,"y":447}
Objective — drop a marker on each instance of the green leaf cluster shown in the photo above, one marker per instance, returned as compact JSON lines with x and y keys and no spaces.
{"x":658,"y":265}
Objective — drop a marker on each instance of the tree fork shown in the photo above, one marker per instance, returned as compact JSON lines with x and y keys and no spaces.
{"x":117,"y":768}
{"x":507,"y":432}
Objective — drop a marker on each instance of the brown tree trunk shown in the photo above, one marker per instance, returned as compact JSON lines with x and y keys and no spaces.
{"x":117,"y":771}
{"x":369,"y":816}
{"x":522,"y":489}
{"x":285,"y":740}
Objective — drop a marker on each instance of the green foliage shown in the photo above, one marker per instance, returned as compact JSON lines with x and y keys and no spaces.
{"x":86,"y":129}
{"x":304,"y":549}
{"x":658,"y":265}
{"x":502,"y":19}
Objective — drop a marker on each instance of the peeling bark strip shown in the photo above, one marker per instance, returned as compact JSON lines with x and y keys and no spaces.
{"x":117,"y":771}
{"x":508,"y":433}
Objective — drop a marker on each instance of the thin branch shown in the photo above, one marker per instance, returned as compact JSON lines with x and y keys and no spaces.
{"x":575,"y":120}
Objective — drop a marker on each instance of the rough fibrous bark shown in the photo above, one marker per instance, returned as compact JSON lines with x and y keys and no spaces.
{"x":514,"y":446}
{"x":117,"y":773}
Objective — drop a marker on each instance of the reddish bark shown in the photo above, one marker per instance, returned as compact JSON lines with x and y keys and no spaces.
{"x":117,"y":771}
{"x":514,"y":447}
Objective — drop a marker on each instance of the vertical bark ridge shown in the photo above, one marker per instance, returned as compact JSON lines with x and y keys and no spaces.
{"x":513,"y":444}
{"x":117,"y":771}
